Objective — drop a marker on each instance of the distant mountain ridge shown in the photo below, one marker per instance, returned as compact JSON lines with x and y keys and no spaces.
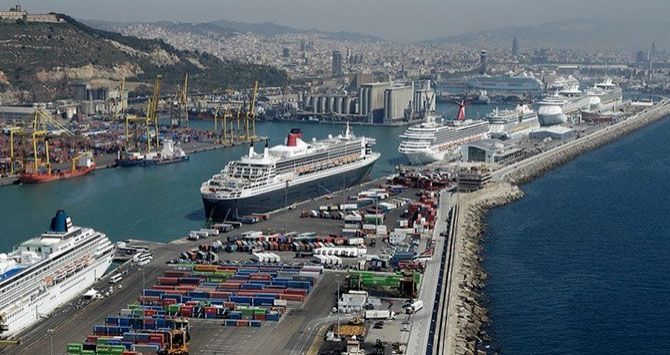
{"x":227,"y":27}
{"x":579,"y":33}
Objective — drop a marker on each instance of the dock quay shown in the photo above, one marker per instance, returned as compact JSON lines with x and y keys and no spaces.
{"x":467,"y":316}
{"x":293,"y":333}
{"x":9,"y":180}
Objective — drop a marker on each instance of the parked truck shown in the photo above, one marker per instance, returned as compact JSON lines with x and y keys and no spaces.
{"x":379,"y":314}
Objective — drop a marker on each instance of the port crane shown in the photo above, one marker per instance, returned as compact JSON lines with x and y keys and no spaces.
{"x":152,"y":112}
{"x":179,"y":112}
{"x":42,"y":122}
{"x":250,"y":116}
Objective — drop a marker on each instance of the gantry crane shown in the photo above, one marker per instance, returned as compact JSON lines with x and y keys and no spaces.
{"x":179,"y":112}
{"x":251,"y":114}
{"x":152,"y":112}
{"x":41,"y":124}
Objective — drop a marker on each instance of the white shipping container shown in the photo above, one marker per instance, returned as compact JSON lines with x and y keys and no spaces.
{"x":280,"y":303}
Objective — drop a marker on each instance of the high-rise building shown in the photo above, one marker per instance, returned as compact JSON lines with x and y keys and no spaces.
{"x":303,"y":45}
{"x":286,"y":52}
{"x":515,"y":46}
{"x":483,"y":62}
{"x":337,"y":63}
{"x":653,"y":50}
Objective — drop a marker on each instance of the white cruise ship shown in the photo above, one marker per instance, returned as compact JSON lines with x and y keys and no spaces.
{"x":49,"y":271}
{"x":608,"y":95}
{"x":285,"y":174}
{"x":512,"y":123}
{"x":569,"y":100}
{"x":431,"y":140}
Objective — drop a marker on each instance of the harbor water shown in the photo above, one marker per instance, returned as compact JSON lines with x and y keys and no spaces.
{"x":162,"y":203}
{"x":580,"y":264}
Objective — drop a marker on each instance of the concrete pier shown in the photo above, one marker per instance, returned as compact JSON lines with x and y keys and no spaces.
{"x":466,"y":313}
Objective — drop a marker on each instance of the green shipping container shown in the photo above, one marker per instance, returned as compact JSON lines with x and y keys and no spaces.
{"x":75,"y":347}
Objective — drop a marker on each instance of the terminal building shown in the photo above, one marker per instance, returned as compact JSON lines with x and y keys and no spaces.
{"x":491,"y":151}
{"x":552,"y":132}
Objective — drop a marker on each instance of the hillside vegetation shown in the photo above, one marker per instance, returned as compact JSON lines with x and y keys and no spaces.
{"x":43,"y":58}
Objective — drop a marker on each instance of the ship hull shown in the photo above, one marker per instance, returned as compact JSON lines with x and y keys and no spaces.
{"x":266,"y":202}
{"x":424,"y":157}
{"x":552,"y":119}
{"x":31,"y":178}
{"x":57,"y":295}
{"x":124,"y":163}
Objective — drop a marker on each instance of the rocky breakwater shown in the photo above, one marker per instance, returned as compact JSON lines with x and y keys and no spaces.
{"x":533,"y":167}
{"x":466,"y":310}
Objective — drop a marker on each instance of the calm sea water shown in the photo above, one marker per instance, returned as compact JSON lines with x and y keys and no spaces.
{"x":159,"y":203}
{"x":580,"y":264}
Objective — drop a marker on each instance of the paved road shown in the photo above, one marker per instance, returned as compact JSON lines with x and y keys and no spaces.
{"x":420,"y":327}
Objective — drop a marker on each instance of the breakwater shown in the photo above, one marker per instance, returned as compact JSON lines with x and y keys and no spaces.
{"x":467,"y":311}
{"x":535,"y":166}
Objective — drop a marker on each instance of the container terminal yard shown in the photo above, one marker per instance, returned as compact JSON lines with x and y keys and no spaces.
{"x":370,"y":269}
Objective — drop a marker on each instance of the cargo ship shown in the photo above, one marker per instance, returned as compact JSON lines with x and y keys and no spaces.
{"x":81,"y":166}
{"x":288,"y":173}
{"x":170,"y":153}
{"x":48,"y":271}
{"x":431,"y":140}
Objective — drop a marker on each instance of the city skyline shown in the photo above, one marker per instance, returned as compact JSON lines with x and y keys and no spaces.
{"x":424,"y":19}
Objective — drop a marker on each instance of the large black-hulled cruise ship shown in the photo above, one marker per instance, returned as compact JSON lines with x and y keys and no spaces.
{"x":286,"y":174}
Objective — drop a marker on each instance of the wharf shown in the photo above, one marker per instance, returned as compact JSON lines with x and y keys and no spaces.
{"x":72,"y":322}
{"x":9,"y":180}
{"x":466,"y":315}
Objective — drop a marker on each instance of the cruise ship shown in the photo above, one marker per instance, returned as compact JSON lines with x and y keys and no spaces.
{"x":512,"y":122}
{"x":607,"y":92}
{"x":431,"y":140}
{"x":48,"y":271}
{"x":556,"y":108}
{"x":287,"y":173}
{"x":521,"y":83}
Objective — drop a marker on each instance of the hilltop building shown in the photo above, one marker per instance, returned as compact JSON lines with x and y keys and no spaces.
{"x":17,"y":13}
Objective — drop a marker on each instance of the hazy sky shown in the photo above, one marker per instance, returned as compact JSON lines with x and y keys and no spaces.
{"x":391,"y":19}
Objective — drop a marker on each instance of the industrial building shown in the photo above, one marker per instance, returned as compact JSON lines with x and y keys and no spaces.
{"x":424,"y":98}
{"x":398,"y":103}
{"x":371,"y":100}
{"x":491,"y":151}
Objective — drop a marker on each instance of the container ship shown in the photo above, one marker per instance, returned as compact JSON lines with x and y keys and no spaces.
{"x":512,"y":123}
{"x":48,"y":271}
{"x":81,"y":165}
{"x":431,"y":140}
{"x":288,"y":173}
{"x":170,"y":153}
